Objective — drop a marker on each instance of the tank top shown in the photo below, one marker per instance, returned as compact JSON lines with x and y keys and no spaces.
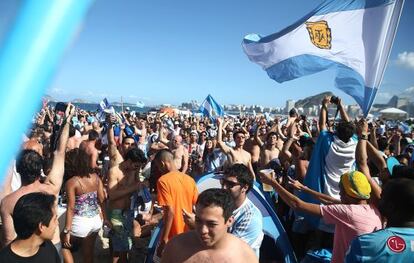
{"x":86,"y":204}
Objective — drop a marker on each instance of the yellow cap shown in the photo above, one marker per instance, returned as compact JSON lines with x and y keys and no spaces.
{"x":356,"y":185}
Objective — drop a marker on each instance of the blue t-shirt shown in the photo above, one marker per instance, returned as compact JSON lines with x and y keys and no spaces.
{"x":393,"y":244}
{"x":248,"y":225}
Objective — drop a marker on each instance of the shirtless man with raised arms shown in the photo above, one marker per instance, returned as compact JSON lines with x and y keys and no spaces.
{"x":236,"y":154}
{"x":123,"y":181}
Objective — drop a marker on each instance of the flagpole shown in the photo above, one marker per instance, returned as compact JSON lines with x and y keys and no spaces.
{"x":399,"y":10}
{"x":122,"y":105}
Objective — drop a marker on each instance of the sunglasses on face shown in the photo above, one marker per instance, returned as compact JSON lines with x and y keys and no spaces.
{"x":228,"y":184}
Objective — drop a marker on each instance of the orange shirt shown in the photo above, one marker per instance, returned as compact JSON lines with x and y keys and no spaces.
{"x":178,"y":191}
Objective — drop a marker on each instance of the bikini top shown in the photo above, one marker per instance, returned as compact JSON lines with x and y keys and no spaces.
{"x":86,"y":204}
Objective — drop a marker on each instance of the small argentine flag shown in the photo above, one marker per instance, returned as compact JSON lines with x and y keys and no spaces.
{"x":104,"y":108}
{"x":140,"y":104}
{"x":104,"y":104}
{"x":211,"y":108}
{"x":352,"y":36}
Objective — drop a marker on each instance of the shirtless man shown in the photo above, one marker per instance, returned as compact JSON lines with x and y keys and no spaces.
{"x":179,"y":151}
{"x":123,"y":181}
{"x":236,"y":154}
{"x":210,"y":242}
{"x":34,"y":142}
{"x":269,"y":150}
{"x":74,"y":140}
{"x":29,"y":166}
{"x":89,"y":146}
{"x":253,"y":148}
{"x":128,"y":143}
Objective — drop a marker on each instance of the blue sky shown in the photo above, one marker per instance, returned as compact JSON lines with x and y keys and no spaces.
{"x":163,"y":51}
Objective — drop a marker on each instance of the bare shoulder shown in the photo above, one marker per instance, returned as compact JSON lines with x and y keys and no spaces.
{"x":5,"y":204}
{"x":241,"y":251}
{"x":71,"y":182}
{"x":178,"y":249}
{"x":183,"y":239}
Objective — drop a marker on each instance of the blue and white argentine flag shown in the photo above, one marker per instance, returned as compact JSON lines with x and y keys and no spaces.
{"x":103,"y":109}
{"x":104,"y":104}
{"x":352,"y":36}
{"x":211,"y":108}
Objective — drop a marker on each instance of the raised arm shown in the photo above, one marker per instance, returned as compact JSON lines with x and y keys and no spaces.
{"x":362,"y":160}
{"x":373,"y":135}
{"x":257,"y":137}
{"x":114,"y":155}
{"x":290,"y":139}
{"x":323,"y":115}
{"x":342,"y":112}
{"x":162,"y":138}
{"x":226,"y":149}
{"x":55,"y":177}
{"x":291,"y":200}
{"x":323,"y":198}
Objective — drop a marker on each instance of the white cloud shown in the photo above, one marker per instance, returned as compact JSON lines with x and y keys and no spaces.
{"x":406,"y":59}
{"x":58,"y":91}
{"x":408,"y":92}
{"x":384,"y":95}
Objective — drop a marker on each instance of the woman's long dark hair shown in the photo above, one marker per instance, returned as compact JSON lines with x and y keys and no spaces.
{"x":77,"y":163}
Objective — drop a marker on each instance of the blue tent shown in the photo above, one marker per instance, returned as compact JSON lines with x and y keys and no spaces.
{"x":272,"y":227}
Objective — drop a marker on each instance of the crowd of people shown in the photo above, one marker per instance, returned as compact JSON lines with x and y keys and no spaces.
{"x":343,"y":189}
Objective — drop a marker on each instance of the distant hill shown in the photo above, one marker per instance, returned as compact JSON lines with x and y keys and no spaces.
{"x":80,"y":101}
{"x":393,"y":101}
{"x":312,"y":100}
{"x":49,"y":98}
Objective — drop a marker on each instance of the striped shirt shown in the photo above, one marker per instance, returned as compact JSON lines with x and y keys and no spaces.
{"x":248,"y":225}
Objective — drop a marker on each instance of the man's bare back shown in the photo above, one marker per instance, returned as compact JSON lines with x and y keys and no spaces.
{"x":253,"y":148}
{"x":90,"y":149}
{"x":8,"y":203}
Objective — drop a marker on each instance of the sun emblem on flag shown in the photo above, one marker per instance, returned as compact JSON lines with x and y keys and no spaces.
{"x":320,"y":34}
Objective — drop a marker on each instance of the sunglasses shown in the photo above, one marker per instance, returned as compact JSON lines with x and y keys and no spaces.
{"x":228,"y":184}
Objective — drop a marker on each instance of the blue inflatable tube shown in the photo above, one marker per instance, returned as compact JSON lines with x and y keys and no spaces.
{"x":29,"y":58}
{"x":272,"y":227}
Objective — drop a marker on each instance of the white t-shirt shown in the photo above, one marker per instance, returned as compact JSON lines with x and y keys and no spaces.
{"x":339,"y":160}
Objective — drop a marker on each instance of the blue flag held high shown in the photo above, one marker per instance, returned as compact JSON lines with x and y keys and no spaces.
{"x":211,"y":108}
{"x":352,"y":36}
{"x":104,"y":104}
{"x":104,"y":108}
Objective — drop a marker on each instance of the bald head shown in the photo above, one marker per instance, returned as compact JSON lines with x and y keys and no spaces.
{"x":164,"y":160}
{"x":164,"y":156}
{"x":176,"y":141}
